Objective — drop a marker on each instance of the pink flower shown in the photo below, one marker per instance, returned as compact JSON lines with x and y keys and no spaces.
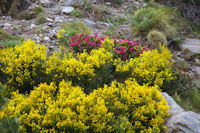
{"x":120,"y":47}
{"x":73,"y":44}
{"x":100,"y":46}
{"x":72,"y":37}
{"x":125,"y":56}
{"x":1,"y":47}
{"x":131,"y":49}
{"x":122,"y":52}
{"x":134,"y":43}
{"x":96,"y":35}
{"x":145,"y":43}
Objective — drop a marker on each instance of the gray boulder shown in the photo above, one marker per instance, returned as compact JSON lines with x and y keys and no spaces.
{"x":192,"y":44}
{"x":181,"y":121}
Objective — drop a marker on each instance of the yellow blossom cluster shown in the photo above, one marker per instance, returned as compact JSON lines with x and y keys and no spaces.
{"x":60,"y":34}
{"x":151,"y":67}
{"x":108,"y":44}
{"x":28,"y":65}
{"x":23,"y":63}
{"x":127,"y":107}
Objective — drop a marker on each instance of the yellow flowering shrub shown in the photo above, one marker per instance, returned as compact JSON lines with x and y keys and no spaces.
{"x":108,"y":44}
{"x":127,"y":107}
{"x":28,"y":66}
{"x":151,"y":67}
{"x":84,"y":69}
{"x":23,"y":64}
{"x":60,"y":34}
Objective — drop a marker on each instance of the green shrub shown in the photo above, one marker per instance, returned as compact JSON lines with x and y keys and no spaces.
{"x":155,"y":38}
{"x":38,"y":10}
{"x":9,"y":125}
{"x":8,"y":40}
{"x":80,"y":27}
{"x":147,"y":19}
{"x":182,"y":65}
{"x":71,"y":29}
{"x":41,"y":19}
{"x":77,"y":13}
{"x":2,"y":98}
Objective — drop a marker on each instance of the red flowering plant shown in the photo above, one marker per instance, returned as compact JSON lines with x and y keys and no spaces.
{"x":1,"y":47}
{"x":81,"y":42}
{"x":126,"y":49}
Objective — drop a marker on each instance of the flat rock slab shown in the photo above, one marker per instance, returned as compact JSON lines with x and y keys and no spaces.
{"x":192,"y":44}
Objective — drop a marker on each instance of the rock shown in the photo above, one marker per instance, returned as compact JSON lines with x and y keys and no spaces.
{"x":13,"y":7}
{"x":69,"y":3}
{"x":90,"y":23}
{"x":103,"y":25}
{"x":47,"y":3}
{"x":181,"y":121}
{"x":33,"y":26}
{"x":108,"y":3}
{"x":7,"y":25}
{"x":174,"y":107}
{"x":196,"y":69}
{"x":185,"y":122}
{"x":46,"y":38}
{"x":67,"y":10}
{"x":192,"y":44}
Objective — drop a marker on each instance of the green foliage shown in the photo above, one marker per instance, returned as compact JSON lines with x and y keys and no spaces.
{"x":155,"y":38}
{"x":41,"y":19}
{"x":79,"y":27}
{"x":71,"y":29}
{"x":2,"y":98}
{"x":8,"y":40}
{"x":9,"y":125}
{"x":13,"y":11}
{"x":177,"y":43}
{"x":118,"y":2}
{"x":147,"y":19}
{"x":182,"y":65}
{"x":26,"y":15}
{"x":77,"y":13}
{"x":3,"y":34}
{"x":38,"y":9}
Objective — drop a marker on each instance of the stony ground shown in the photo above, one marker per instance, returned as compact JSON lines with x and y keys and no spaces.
{"x":58,"y":12}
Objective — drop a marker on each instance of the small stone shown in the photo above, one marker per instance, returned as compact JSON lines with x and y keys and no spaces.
{"x":67,"y":10}
{"x":46,"y":38}
{"x":47,"y":3}
{"x":69,"y":3}
{"x":90,"y":23}
{"x":32,"y":26}
{"x":50,"y":20}
{"x":7,"y":26}
{"x":197,"y":71}
{"x":9,"y":18}
{"x":108,"y":3}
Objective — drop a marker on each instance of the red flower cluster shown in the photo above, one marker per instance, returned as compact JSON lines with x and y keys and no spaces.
{"x":1,"y":47}
{"x":124,"y":49}
{"x":127,"y":49}
{"x":86,"y":42}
